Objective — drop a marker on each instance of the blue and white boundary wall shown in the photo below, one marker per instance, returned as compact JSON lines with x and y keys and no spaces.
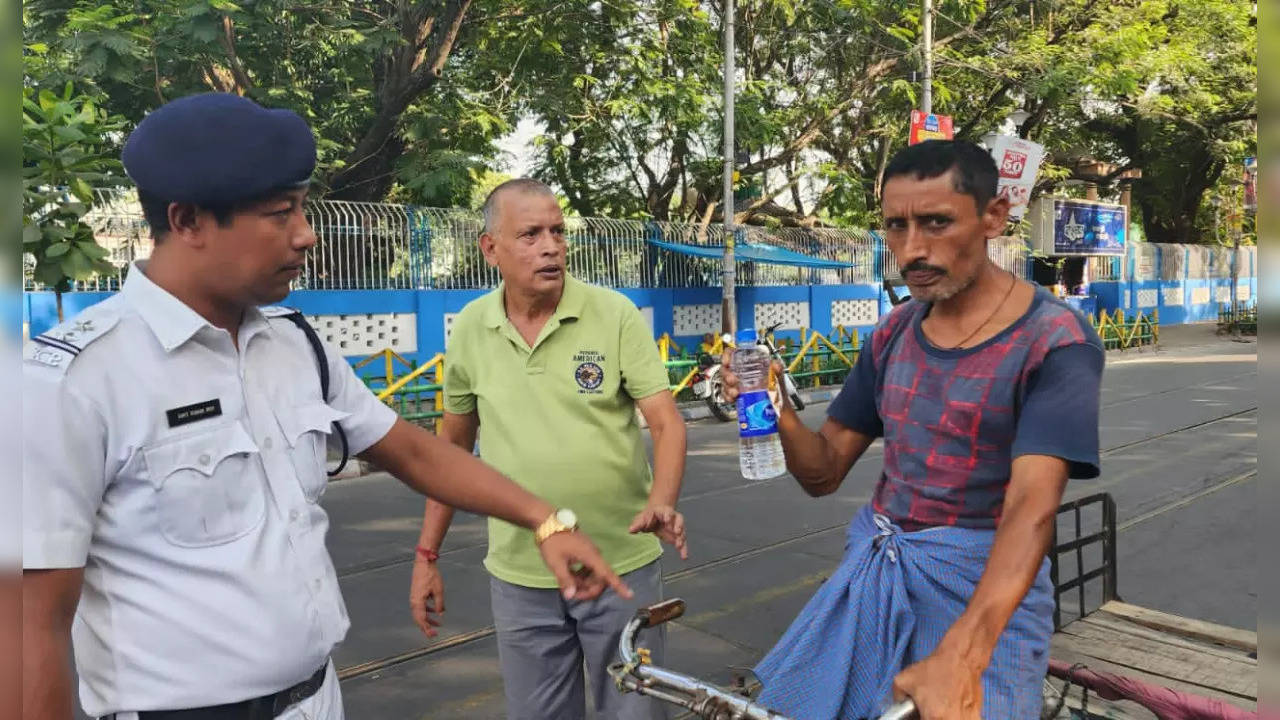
{"x":416,"y":323}
{"x":1186,"y":283}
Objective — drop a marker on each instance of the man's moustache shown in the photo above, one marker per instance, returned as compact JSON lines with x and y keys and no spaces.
{"x":918,"y":266}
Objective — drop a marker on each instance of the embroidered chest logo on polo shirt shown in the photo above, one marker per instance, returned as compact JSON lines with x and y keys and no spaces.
{"x":589,"y":371}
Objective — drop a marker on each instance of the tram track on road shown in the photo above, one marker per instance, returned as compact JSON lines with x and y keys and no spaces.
{"x":368,"y":668}
{"x":482,"y":633}
{"x":384,"y":563}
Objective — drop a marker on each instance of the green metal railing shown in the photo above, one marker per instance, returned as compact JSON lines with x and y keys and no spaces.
{"x":1119,"y":333}
{"x":1245,"y":319}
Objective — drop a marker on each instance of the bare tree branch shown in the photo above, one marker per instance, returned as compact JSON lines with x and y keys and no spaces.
{"x":860,"y":90}
{"x":214,"y":79}
{"x":414,"y":69}
{"x":228,"y":41}
{"x":992,"y":100}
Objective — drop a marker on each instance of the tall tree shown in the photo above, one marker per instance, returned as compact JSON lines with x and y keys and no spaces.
{"x":408,"y":98}
{"x":366,"y":75}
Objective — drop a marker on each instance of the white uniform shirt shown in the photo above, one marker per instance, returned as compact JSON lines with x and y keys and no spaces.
{"x":207,"y":580}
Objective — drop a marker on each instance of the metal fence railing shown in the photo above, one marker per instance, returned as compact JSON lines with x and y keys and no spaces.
{"x":1172,"y":262}
{"x":384,"y":246}
{"x":1009,"y":253}
{"x":1106,"y":269}
{"x":118,"y":226}
{"x":359,"y":246}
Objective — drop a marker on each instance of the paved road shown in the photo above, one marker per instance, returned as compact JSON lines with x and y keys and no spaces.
{"x":1179,"y":432}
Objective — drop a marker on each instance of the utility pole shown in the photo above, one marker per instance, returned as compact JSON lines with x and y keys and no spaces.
{"x":1235,"y":229}
{"x":926,"y":93}
{"x":1235,"y":283}
{"x":728,"y":303}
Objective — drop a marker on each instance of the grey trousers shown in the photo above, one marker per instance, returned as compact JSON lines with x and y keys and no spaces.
{"x":543,"y":642}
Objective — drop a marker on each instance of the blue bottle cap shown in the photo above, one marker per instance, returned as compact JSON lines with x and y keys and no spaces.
{"x":747,"y":337}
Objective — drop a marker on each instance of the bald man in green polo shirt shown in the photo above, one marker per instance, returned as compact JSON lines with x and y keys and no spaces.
{"x":550,"y":370}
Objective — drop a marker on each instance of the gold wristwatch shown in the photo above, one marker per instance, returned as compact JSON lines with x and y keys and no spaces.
{"x":562,"y":520}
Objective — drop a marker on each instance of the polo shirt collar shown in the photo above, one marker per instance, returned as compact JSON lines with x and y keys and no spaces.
{"x":172,"y":321}
{"x":572,"y":302}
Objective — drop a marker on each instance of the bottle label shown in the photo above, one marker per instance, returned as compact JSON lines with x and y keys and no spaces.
{"x":756,"y":415}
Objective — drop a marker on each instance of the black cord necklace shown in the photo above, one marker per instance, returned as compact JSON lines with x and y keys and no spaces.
{"x":1013,"y":281}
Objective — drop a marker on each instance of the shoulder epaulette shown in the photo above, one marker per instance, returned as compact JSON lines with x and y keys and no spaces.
{"x":60,"y":345}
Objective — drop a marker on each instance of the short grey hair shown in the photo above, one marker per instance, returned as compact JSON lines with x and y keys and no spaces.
{"x":525,"y":185}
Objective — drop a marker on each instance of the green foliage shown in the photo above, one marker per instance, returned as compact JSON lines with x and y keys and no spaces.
{"x":348,"y":68}
{"x":628,"y":92}
{"x":65,"y":143}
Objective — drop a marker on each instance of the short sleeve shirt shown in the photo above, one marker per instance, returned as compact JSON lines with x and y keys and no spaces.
{"x":559,"y":418}
{"x":954,"y":420}
{"x":185,"y":476}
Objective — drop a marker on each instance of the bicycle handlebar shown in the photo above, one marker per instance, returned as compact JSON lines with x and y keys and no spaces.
{"x":636,"y":674}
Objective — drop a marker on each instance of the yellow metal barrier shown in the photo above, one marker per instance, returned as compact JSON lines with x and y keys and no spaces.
{"x":436,"y":364}
{"x":1118,"y":332}
{"x":436,"y":367}
{"x":813,"y":340}
{"x":665,"y":345}
{"x":389,"y":356}
{"x":841,"y":332}
{"x":684,"y":383}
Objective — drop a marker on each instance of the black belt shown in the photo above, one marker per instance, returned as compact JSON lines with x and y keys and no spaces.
{"x":263,"y":708}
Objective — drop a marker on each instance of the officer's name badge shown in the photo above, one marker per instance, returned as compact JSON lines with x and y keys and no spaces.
{"x":192,"y":413}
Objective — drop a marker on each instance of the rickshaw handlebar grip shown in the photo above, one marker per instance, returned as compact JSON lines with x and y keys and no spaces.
{"x":637,"y":675}
{"x":662,"y":612}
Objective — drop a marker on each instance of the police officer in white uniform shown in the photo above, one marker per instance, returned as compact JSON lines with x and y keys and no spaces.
{"x":175,"y":446}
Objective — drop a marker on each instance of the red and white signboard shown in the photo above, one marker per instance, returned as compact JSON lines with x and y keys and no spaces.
{"x":1018,"y":161}
{"x":929,"y":127}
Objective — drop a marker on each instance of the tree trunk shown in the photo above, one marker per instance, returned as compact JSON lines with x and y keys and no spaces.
{"x":411,"y":71}
{"x":1202,"y":172}
{"x":372,"y":177}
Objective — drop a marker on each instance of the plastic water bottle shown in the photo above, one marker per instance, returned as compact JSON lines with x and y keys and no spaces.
{"x":759,"y":447}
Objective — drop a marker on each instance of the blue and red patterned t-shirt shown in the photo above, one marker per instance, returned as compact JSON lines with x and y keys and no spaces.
{"x":954,"y":420}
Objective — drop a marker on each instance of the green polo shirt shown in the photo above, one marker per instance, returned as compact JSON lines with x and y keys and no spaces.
{"x":559,"y":418}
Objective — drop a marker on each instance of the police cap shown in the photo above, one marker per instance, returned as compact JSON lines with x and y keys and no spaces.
{"x":219,"y":149}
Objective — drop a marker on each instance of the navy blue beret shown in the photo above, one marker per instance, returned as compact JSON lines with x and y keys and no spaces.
{"x":218,"y":149}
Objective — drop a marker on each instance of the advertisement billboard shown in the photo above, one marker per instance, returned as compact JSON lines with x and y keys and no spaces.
{"x":1018,"y":161}
{"x":1063,"y":226}
{"x":929,"y":127}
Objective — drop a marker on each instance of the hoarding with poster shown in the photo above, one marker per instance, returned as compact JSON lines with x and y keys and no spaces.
{"x":927,"y":126}
{"x":1018,"y":161}
{"x":1062,"y":226}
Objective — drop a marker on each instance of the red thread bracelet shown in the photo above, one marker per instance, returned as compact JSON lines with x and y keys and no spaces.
{"x":428,"y":554}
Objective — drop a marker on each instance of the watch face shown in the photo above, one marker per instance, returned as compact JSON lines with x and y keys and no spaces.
{"x":566,"y":516}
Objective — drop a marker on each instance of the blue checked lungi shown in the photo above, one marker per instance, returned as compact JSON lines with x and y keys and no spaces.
{"x":887,"y":606}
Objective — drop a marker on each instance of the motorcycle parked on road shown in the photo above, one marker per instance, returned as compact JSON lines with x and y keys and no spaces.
{"x":708,"y":386}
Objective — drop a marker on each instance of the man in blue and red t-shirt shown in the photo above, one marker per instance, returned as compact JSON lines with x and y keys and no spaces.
{"x":985,"y":389}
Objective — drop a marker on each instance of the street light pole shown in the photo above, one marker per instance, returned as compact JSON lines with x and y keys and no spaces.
{"x":926,"y":92}
{"x":728,"y":304}
{"x":1235,"y":283}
